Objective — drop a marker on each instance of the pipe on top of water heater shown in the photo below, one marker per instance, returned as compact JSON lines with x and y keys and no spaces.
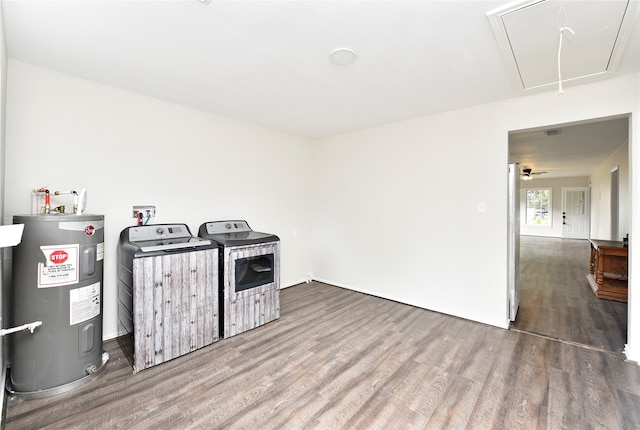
{"x":75,"y":198}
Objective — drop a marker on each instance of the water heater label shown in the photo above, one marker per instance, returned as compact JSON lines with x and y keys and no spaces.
{"x":84,"y":303}
{"x":100,"y":251}
{"x":60,"y":266}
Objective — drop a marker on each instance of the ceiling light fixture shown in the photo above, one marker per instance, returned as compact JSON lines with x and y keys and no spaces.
{"x":527,"y":174}
{"x":205,"y":1}
{"x":343,"y":56}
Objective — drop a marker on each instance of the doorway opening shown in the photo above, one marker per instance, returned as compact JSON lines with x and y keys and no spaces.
{"x":578,"y":159}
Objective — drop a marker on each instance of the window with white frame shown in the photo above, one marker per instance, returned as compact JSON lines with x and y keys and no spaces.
{"x":538,"y":209}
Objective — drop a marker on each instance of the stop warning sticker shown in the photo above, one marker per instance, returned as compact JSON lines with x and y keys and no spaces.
{"x":60,"y":267}
{"x":58,"y":256}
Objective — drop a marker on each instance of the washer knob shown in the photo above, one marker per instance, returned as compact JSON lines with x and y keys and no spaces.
{"x":160,"y":230}
{"x":228,"y":226}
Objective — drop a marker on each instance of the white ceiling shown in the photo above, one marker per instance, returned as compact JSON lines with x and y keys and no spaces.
{"x":576,"y":150}
{"x":267,"y":62}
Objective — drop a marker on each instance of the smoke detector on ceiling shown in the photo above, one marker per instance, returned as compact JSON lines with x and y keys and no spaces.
{"x":343,"y":56}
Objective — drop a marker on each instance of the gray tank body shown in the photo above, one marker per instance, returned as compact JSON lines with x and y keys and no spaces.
{"x":57,"y":279}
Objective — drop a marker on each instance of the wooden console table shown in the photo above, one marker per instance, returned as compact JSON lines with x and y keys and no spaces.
{"x":608,"y":270}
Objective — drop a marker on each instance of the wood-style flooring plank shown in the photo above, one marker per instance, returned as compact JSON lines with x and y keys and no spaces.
{"x":456,"y":405}
{"x":557,"y":301}
{"x":338,"y":359}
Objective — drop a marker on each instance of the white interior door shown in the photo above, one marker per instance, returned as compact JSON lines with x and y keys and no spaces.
{"x":575,"y":213}
{"x":513,"y":240}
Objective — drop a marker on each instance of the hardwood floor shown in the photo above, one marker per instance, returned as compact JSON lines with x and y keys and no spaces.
{"x":557,"y":301}
{"x":338,"y":359}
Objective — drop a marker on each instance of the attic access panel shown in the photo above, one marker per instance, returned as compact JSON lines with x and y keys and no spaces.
{"x":529,"y":35}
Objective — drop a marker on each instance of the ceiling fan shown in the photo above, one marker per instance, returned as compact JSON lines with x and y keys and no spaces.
{"x":527,"y":174}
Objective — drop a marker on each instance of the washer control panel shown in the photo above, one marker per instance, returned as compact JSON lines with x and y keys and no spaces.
{"x":158,"y":231}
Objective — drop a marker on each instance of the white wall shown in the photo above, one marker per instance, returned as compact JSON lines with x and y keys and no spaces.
{"x":633,"y":330}
{"x":601,"y":195}
{"x":3,"y":252}
{"x":3,"y":94}
{"x":127,"y":149}
{"x":556,"y":185}
{"x":396,"y":213}
{"x":3,"y":102}
{"x":396,"y":207}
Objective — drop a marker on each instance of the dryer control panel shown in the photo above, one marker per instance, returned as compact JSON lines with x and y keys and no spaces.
{"x":221,"y":227}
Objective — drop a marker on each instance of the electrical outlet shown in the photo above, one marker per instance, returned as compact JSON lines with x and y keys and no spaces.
{"x":145,"y":210}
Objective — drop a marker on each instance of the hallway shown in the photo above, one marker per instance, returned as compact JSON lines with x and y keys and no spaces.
{"x":556,"y":300}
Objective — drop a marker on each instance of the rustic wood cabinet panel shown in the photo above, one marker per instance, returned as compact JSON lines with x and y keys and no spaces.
{"x":175,"y":305}
{"x":247,"y":309}
{"x":608,"y":275}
